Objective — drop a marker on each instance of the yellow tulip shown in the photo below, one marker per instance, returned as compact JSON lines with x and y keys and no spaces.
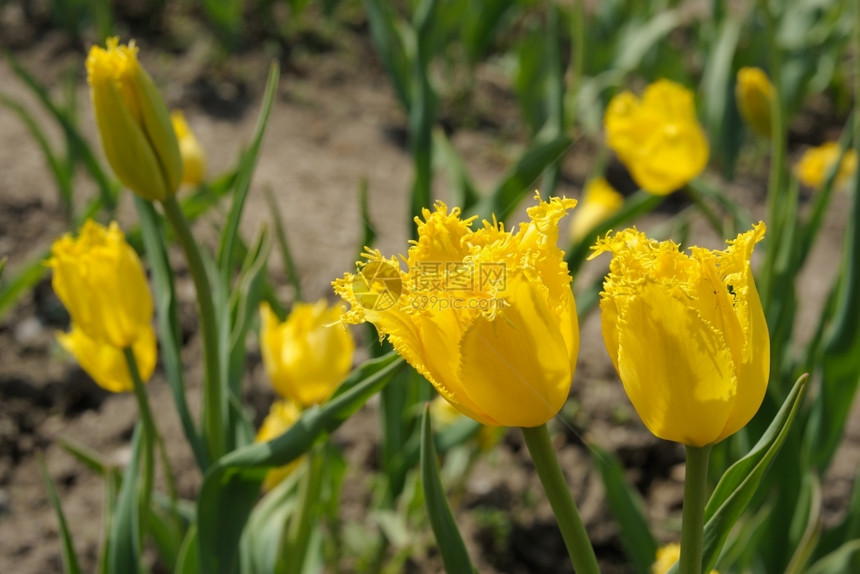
{"x":307,"y":355}
{"x":282,"y":415}
{"x":657,"y":138}
{"x":666,"y":557}
{"x":100,"y":280}
{"x":193,"y":156}
{"x":813,"y":166}
{"x":133,"y":122}
{"x":686,"y":334}
{"x":754,"y":94}
{"x":599,"y":202}
{"x":487,"y":316}
{"x":106,"y":363}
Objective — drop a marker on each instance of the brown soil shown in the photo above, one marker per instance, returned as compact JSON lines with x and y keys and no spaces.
{"x":334,"y":122}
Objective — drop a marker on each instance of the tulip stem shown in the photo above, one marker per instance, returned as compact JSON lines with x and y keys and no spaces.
{"x":693,"y":519}
{"x":151,"y":435}
{"x":213,"y":409}
{"x":566,"y":514}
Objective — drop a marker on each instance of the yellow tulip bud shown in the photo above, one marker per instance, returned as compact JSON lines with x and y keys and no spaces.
{"x":282,"y":415}
{"x":599,"y":202}
{"x":658,"y":139}
{"x":106,"y":363}
{"x":100,"y":280}
{"x":686,"y":334}
{"x":487,"y":316}
{"x":133,"y":122}
{"x":754,"y":94}
{"x":193,"y":156}
{"x":816,"y":162}
{"x":666,"y":557}
{"x":307,"y":355}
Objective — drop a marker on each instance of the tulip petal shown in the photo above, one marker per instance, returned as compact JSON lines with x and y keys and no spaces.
{"x":676,"y":368}
{"x":517,"y":359}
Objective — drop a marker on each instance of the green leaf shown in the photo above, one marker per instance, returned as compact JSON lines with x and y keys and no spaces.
{"x":518,"y":181}
{"x":451,"y":546}
{"x":186,"y":561}
{"x":22,"y":282}
{"x":808,"y":521}
{"x":463,"y":192}
{"x":627,"y":507}
{"x":390,"y":47}
{"x":284,"y":246}
{"x":737,"y":486}
{"x":231,"y":487}
{"x":70,"y":559}
{"x":167,"y":535}
{"x":244,"y":173}
{"x":839,"y":561}
{"x":639,"y":39}
{"x":261,"y":541}
{"x":125,"y":538}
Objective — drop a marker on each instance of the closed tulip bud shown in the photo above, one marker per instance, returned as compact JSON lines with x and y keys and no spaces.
{"x":135,"y":129}
{"x":816,"y":162}
{"x":754,"y":94}
{"x":193,"y":156}
{"x":100,"y":280}
{"x":307,"y":355}
{"x":487,"y":316}
{"x":686,"y":334}
{"x":666,"y":557}
{"x":106,"y":363}
{"x":599,"y":202}
{"x":282,"y":415}
{"x":658,"y":138}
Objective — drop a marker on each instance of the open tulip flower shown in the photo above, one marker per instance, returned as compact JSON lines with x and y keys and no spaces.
{"x":487,"y":316}
{"x":816,"y":162}
{"x":657,"y":138}
{"x":307,"y":355}
{"x":686,"y":334}
{"x":100,"y":280}
{"x":135,"y":128}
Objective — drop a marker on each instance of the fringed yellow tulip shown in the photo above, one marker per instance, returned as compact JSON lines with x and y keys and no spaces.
{"x":666,"y":557}
{"x":282,"y":415}
{"x":813,"y":166}
{"x":754,"y":94}
{"x":193,"y":156}
{"x":486,"y":316}
{"x":133,"y":122}
{"x":599,"y":201}
{"x":100,"y":280}
{"x":307,"y":355}
{"x":105,"y":363}
{"x":658,"y":137}
{"x":686,"y":334}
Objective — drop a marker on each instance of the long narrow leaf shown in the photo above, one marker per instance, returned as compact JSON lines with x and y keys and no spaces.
{"x":448,"y":539}
{"x":739,"y":483}
{"x":125,"y":551}
{"x":244,"y":174}
{"x":628,"y":509}
{"x":70,"y":559}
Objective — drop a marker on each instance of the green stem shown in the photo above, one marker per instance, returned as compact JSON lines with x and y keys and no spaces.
{"x":693,"y":520}
{"x":148,"y":436}
{"x":213,"y":411}
{"x":151,"y":435}
{"x":569,"y":522}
